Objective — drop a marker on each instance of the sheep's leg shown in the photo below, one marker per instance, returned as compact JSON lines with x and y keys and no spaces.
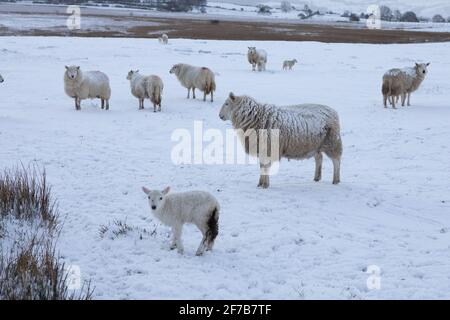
{"x":77,"y":103}
{"x":318,"y":174}
{"x":403,"y":99}
{"x":107,"y":104}
{"x":212,"y":96}
{"x":202,"y":247}
{"x":393,"y":102}
{"x":409,"y":96}
{"x":141,"y":104}
{"x":174,"y":240}
{"x":385,"y":98}
{"x":154,"y":107}
{"x":102,"y":103}
{"x":336,"y":170}
{"x":189,"y":92}
{"x":204,"y":95}
{"x":264,"y":175}
{"x":177,"y":233}
{"x":193,"y":93}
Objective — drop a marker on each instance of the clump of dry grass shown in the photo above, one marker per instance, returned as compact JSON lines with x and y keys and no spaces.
{"x":30,"y":268}
{"x":118,"y":228}
{"x":25,"y":195}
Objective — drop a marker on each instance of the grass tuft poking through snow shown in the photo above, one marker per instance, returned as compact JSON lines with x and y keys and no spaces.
{"x":30,"y":268}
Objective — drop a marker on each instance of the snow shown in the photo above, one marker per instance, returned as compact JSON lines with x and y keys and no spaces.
{"x":298,"y":239}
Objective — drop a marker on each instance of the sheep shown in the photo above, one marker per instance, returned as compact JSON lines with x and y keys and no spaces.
{"x":164,"y":39}
{"x":175,"y":209}
{"x":394,"y":85}
{"x":146,"y":87}
{"x":304,"y":131}
{"x":402,"y":82}
{"x":193,"y":78}
{"x":89,"y":84}
{"x":257,"y":58}
{"x":288,"y":64}
{"x":1,"y":79}
{"x":414,"y":77}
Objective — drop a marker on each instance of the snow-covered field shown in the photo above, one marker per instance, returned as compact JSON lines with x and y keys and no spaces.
{"x":298,"y":239}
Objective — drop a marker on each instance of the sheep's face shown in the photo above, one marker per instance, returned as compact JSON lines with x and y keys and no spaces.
{"x":131,"y":73}
{"x":295,"y":61}
{"x":227,"y":108}
{"x":252,"y":50}
{"x":72,"y":72}
{"x":1,"y":79}
{"x":422,"y":69}
{"x":155,"y":197}
{"x":175,"y":69}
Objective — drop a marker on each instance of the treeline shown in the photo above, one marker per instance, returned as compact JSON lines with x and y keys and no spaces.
{"x":162,"y":5}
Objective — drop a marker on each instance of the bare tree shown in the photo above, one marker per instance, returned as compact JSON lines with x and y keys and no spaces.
{"x":386,"y":13}
{"x":438,"y":19}
{"x":409,"y":16}
{"x":286,"y":6}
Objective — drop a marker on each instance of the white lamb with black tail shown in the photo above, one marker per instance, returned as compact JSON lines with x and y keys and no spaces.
{"x":175,"y":209}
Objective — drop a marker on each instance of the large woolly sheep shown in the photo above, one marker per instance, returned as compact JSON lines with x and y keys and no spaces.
{"x":89,"y":84}
{"x":304,"y":131}
{"x":257,"y":58}
{"x":288,"y":64}
{"x":143,"y":87}
{"x":196,"y":207}
{"x":402,"y":82}
{"x":1,"y":79}
{"x":164,"y":39}
{"x":193,"y":78}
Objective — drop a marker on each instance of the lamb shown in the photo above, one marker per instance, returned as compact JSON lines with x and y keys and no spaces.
{"x":193,"y":78}
{"x":288,"y":64}
{"x":402,"y":82}
{"x":164,"y":39}
{"x":146,"y":87}
{"x":257,"y":58}
{"x":304,"y":131}
{"x":1,"y":79}
{"x":83,"y":85}
{"x":196,"y":207}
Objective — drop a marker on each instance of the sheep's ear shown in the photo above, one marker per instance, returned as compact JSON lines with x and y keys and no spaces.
{"x":67,"y":67}
{"x":78,"y":67}
{"x":166,"y":190}
{"x":428,"y":64}
{"x":146,"y":191}
{"x":137,"y":71}
{"x":417,"y":65}
{"x":232,"y":96}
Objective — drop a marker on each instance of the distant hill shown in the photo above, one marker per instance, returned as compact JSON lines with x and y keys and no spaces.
{"x":422,"y":7}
